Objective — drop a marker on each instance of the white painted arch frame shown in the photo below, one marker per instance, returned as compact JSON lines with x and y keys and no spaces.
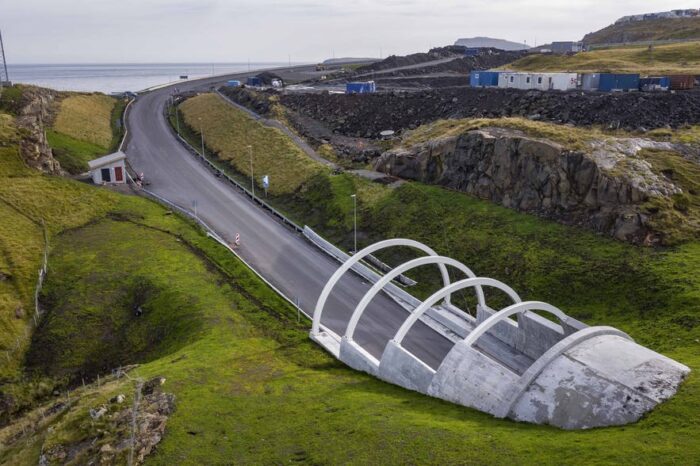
{"x":428,"y":260}
{"x":447,"y":290}
{"x":517,"y":308}
{"x":357,"y":257}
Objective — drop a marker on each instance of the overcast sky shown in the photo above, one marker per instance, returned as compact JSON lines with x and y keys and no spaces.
{"x":145,"y":31}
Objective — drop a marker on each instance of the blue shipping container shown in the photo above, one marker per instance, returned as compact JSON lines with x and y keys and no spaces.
{"x":471,"y":52}
{"x":659,"y":83}
{"x":360,"y":87}
{"x":484,"y":78}
{"x":618,"y":82}
{"x":254,"y":81}
{"x":233,"y":83}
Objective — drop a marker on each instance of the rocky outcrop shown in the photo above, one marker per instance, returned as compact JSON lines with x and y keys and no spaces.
{"x":603,"y":189}
{"x":32,"y":120}
{"x":116,"y":427}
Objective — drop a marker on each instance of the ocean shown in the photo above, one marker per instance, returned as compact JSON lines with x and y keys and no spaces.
{"x":109,"y":78}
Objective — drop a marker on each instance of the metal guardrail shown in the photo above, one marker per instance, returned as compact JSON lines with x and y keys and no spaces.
{"x":323,"y":244}
{"x":341,"y":256}
{"x":360,"y":269}
{"x":222,"y":174}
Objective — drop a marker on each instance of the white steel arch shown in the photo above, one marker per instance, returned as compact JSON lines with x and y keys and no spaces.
{"x":446,"y":291}
{"x":372,"y":292}
{"x":357,"y":257}
{"x":517,"y":308}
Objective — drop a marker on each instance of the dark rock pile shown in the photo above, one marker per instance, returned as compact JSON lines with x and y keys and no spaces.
{"x":363,"y":115}
{"x":256,"y":101}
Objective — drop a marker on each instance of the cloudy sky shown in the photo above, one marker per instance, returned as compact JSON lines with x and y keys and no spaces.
{"x":144,"y":31}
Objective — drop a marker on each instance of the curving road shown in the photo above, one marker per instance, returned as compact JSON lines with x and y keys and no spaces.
{"x":282,"y":256}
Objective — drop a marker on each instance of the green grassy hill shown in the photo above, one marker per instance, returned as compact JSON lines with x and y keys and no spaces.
{"x":657,"y":29}
{"x":681,"y":58}
{"x":250,"y":386}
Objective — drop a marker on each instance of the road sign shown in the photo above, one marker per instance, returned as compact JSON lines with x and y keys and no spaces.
{"x":266,"y":183}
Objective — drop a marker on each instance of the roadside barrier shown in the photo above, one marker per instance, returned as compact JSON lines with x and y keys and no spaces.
{"x":315,"y":239}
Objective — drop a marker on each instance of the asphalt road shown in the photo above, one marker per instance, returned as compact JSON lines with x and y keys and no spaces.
{"x":282,"y":256}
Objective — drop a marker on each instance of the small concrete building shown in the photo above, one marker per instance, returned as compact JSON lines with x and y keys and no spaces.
{"x":109,"y":169}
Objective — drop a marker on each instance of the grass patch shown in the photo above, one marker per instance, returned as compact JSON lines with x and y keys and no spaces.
{"x":91,"y":328}
{"x":86,"y":127}
{"x":682,"y":58}
{"x":571,"y":138}
{"x":71,"y":153}
{"x":229,"y":131}
{"x":87,"y":118}
{"x":681,"y":213}
{"x":10,"y":99}
{"x":657,"y":29}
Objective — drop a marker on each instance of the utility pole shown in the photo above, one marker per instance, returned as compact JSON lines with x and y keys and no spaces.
{"x":6,"y":77}
{"x":252,"y":179}
{"x":354,"y":221}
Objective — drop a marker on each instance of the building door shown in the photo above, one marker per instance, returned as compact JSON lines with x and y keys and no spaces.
{"x":118,"y":174}
{"x":106,"y":175}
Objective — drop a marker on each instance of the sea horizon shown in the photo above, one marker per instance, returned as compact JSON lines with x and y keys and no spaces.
{"x":121,"y":77}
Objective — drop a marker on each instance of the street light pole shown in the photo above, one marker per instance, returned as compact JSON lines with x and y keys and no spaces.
{"x":252,"y":178}
{"x":354,"y":221}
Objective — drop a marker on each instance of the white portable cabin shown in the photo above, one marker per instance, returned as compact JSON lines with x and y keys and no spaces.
{"x":561,"y":81}
{"x":109,"y":168}
{"x":540,"y":81}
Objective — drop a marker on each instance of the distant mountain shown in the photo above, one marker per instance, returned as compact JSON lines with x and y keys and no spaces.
{"x":651,"y":28}
{"x":488,"y":42}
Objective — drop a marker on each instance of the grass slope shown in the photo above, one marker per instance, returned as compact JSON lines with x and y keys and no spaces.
{"x":682,"y":58}
{"x":229,"y":132}
{"x":30,"y":202}
{"x":85,"y":127}
{"x":658,"y":29}
{"x":252,"y":389}
{"x":87,"y":118}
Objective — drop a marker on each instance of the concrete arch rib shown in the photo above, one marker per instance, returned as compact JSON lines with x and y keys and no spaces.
{"x":446,"y":291}
{"x":357,"y":257}
{"x":517,"y":308}
{"x":371,"y":293}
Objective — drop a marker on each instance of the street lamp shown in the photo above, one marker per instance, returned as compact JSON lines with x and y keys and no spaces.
{"x":252,"y":179}
{"x":354,"y":219}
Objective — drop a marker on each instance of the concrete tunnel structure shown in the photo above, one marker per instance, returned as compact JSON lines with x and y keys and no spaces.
{"x":566,"y":374}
